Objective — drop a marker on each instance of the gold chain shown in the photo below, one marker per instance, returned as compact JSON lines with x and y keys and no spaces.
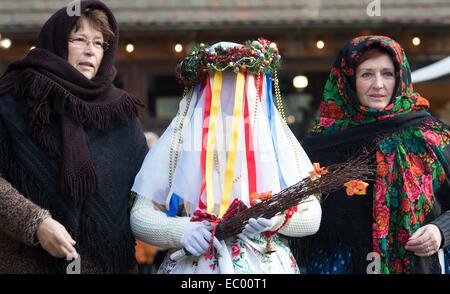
{"x":280,"y":107}
{"x":176,"y":142}
{"x":278,"y":96}
{"x":255,"y":111}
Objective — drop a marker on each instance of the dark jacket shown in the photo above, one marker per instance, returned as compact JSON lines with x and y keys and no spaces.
{"x":100,"y":226}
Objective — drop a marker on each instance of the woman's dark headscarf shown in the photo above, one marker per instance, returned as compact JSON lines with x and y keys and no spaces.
{"x":61,"y":101}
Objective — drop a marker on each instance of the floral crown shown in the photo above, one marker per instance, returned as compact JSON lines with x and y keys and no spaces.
{"x":255,"y":56}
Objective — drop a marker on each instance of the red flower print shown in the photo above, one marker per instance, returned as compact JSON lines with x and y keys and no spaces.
{"x":402,"y":237}
{"x":382,"y":169}
{"x":235,"y":250}
{"x":394,"y":176}
{"x":398,"y":266}
{"x":358,"y":117}
{"x":323,"y":109}
{"x":406,"y":261}
{"x":415,"y":164}
{"x":334,"y":111}
{"x":381,"y":221}
{"x":375,"y":240}
{"x":349,"y":71}
{"x":389,"y":106}
{"x":390,"y":160}
{"x":442,"y":178}
{"x":413,"y":219}
{"x":357,"y":40}
{"x":406,"y":206}
{"x":421,"y":218}
{"x":387,"y":116}
{"x":427,"y":187}
{"x":398,"y":51}
{"x":334,"y":71}
{"x":380,"y":189}
{"x":432,"y":138}
{"x":326,"y":122}
{"x":411,"y":185}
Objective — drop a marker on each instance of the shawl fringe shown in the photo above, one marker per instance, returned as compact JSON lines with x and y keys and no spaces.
{"x":80,"y":184}
{"x":62,"y":102}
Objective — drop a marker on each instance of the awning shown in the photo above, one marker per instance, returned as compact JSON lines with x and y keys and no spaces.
{"x":432,"y":71}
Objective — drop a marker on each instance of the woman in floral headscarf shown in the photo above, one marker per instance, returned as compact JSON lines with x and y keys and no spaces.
{"x":402,"y":224}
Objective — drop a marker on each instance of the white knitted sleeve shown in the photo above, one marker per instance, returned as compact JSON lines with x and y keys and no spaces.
{"x":305,"y":221}
{"x":155,"y":227}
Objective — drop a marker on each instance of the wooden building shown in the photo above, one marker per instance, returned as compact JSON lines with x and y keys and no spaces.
{"x":155,"y":27}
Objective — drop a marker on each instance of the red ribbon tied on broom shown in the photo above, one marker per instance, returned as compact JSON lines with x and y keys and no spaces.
{"x":235,"y":207}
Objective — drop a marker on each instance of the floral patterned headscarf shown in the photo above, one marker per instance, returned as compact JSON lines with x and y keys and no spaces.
{"x":340,"y":108}
{"x":409,"y":160}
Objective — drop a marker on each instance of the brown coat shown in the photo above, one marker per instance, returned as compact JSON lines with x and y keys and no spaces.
{"x":19,"y":220}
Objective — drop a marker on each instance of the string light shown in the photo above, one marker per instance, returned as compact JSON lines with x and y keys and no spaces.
{"x":290,"y":119}
{"x":178,"y":48}
{"x":320,"y":44}
{"x":130,"y":48}
{"x":5,"y":43}
{"x":300,"y":82}
{"x":416,"y":41}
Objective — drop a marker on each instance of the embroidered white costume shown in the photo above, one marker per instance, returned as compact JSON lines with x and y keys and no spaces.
{"x":227,"y":141}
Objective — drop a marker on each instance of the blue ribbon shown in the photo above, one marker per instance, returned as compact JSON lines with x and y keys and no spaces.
{"x":271,"y":110}
{"x":173,"y":207}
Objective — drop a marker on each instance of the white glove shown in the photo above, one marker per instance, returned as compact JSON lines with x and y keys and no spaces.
{"x":197,"y":237}
{"x":257,"y":226}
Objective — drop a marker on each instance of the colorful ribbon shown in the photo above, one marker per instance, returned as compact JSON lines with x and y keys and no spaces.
{"x":249,"y":149}
{"x":211,"y":141}
{"x":273,"y":130}
{"x":205,"y":129}
{"x":233,"y":145}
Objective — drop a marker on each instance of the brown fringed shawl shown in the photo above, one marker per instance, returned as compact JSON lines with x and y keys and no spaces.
{"x":60,"y":100}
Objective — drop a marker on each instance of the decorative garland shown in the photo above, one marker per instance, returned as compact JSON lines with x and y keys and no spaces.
{"x":255,"y":56}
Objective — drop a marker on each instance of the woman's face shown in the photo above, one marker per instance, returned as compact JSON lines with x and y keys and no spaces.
{"x":375,"y":80}
{"x":86,"y":49}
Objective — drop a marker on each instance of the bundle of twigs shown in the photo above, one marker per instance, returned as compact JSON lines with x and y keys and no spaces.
{"x":360,"y":167}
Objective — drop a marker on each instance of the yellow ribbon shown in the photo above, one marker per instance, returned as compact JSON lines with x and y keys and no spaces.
{"x":211,"y":141}
{"x":232,"y":150}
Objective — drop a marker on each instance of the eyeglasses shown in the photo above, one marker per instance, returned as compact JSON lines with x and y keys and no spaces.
{"x":81,"y":42}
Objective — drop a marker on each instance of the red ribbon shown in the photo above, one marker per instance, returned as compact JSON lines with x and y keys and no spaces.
{"x":289,"y":213}
{"x":199,"y":216}
{"x":205,"y":129}
{"x":249,"y":149}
